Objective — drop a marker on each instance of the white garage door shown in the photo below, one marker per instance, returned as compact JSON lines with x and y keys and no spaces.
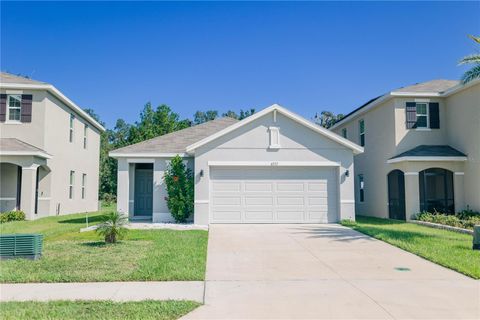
{"x":273,"y":195}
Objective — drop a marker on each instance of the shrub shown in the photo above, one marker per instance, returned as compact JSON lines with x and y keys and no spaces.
{"x":465,"y":219}
{"x":109,"y":198}
{"x":113,"y":227}
{"x":12,"y":216}
{"x":180,"y":187}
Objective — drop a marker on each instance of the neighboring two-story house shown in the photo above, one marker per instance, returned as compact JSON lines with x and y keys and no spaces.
{"x":421,"y":150}
{"x":49,"y":150}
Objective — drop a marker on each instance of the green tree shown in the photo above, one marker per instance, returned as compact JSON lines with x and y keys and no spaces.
{"x":474,"y":72}
{"x":180,"y":189}
{"x":246,"y":113}
{"x":203,"y":116}
{"x":327,"y":119}
{"x":230,"y":114}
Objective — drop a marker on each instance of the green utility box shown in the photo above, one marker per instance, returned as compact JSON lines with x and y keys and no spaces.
{"x":476,"y":238}
{"x":21,"y":246}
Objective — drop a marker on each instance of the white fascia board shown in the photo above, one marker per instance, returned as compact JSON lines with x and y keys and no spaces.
{"x":273,"y":164}
{"x":39,"y":154}
{"x":402,"y":159}
{"x":50,"y":88}
{"x":331,"y":135}
{"x":415,"y":94}
{"x":146,"y":155}
{"x":363,"y":110}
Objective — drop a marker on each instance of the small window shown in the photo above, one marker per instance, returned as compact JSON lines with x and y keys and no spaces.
{"x":85,"y":134}
{"x":72,"y":118}
{"x":422,"y":115}
{"x":274,"y":137}
{"x":14,"y":107}
{"x":84,"y":183}
{"x":361,"y":131}
{"x":361,"y":188}
{"x":344,"y":133}
{"x":72,"y":183}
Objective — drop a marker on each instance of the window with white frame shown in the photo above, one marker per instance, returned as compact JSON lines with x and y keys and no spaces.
{"x":85,"y":134}
{"x":72,"y":123}
{"x":361,"y":188}
{"x":361,"y":132}
{"x":274,"y":137}
{"x":344,"y":133}
{"x":14,"y":107}
{"x":422,"y":115}
{"x":72,"y":183}
{"x":84,"y":184}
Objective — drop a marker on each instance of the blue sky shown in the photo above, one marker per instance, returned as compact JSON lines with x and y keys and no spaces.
{"x":309,"y":56}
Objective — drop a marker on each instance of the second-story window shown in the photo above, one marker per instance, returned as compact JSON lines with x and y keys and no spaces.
{"x":14,"y":107}
{"x":85,"y":134}
{"x":344,"y":133}
{"x":422,"y":115}
{"x":72,"y":118}
{"x":361,"y":132}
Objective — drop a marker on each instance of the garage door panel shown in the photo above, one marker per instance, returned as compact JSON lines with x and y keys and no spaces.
{"x":274,"y":195}
{"x":226,"y":186}
{"x":258,"y":187}
{"x":257,"y":215}
{"x":255,"y":200}
{"x":292,"y":186}
{"x":226,"y":200}
{"x":227,"y":216}
{"x":290,"y":201}
{"x":288,"y":216}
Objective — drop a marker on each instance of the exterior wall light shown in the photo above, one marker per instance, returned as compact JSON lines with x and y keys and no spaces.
{"x":201,"y":173}
{"x":347,"y":173}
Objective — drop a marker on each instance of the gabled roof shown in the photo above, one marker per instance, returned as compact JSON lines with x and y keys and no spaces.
{"x":175,"y":142}
{"x":10,"y":81}
{"x":433,"y":88}
{"x":277,"y":108}
{"x":11,"y":78}
{"x":430,"y":153}
{"x":16,"y":147}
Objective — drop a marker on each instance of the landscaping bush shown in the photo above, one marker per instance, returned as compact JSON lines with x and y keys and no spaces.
{"x":180,"y":187}
{"x":12,"y":216}
{"x":113,"y":227}
{"x":465,"y":219}
{"x":109,"y":198}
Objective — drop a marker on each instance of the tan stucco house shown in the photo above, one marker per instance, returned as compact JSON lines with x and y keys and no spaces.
{"x":49,"y":150}
{"x":421,"y":150}
{"x":272,"y":167}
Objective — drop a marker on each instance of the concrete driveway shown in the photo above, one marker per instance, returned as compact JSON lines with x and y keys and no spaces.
{"x":325,"y":272}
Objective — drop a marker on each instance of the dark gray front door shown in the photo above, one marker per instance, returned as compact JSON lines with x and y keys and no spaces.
{"x":143,"y":202}
{"x":396,"y":195}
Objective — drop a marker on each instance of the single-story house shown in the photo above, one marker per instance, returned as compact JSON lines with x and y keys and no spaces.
{"x":272,"y":167}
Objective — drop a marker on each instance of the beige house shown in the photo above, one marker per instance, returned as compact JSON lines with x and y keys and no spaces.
{"x":272,"y":167}
{"x":49,"y":150}
{"x":421,"y":150}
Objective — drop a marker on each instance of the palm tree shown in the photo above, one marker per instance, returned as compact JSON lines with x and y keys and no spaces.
{"x":113,"y":227}
{"x":474,"y":72}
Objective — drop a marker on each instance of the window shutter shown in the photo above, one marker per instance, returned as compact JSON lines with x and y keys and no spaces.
{"x":26,"y":108}
{"x":434,"y":115}
{"x":3,"y":107}
{"x":411,"y":110}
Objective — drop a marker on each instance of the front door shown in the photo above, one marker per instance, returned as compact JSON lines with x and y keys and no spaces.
{"x":396,"y":195}
{"x":143,"y":202}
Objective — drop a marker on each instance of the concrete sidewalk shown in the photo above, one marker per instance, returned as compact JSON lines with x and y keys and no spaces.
{"x":116,"y":291}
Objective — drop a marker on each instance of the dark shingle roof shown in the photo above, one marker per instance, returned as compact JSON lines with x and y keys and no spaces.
{"x":11,"y":78}
{"x":178,"y":141}
{"x":431,"y":151}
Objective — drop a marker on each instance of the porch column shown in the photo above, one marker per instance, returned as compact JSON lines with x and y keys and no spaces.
{"x":458,"y":191}
{"x":412,"y":194}
{"x":160,"y":209}
{"x":123,"y":182}
{"x":28,"y":189}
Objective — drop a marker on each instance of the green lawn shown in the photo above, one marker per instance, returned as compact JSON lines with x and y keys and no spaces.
{"x":450,"y":249}
{"x":63,"y":310}
{"x":71,"y":256}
